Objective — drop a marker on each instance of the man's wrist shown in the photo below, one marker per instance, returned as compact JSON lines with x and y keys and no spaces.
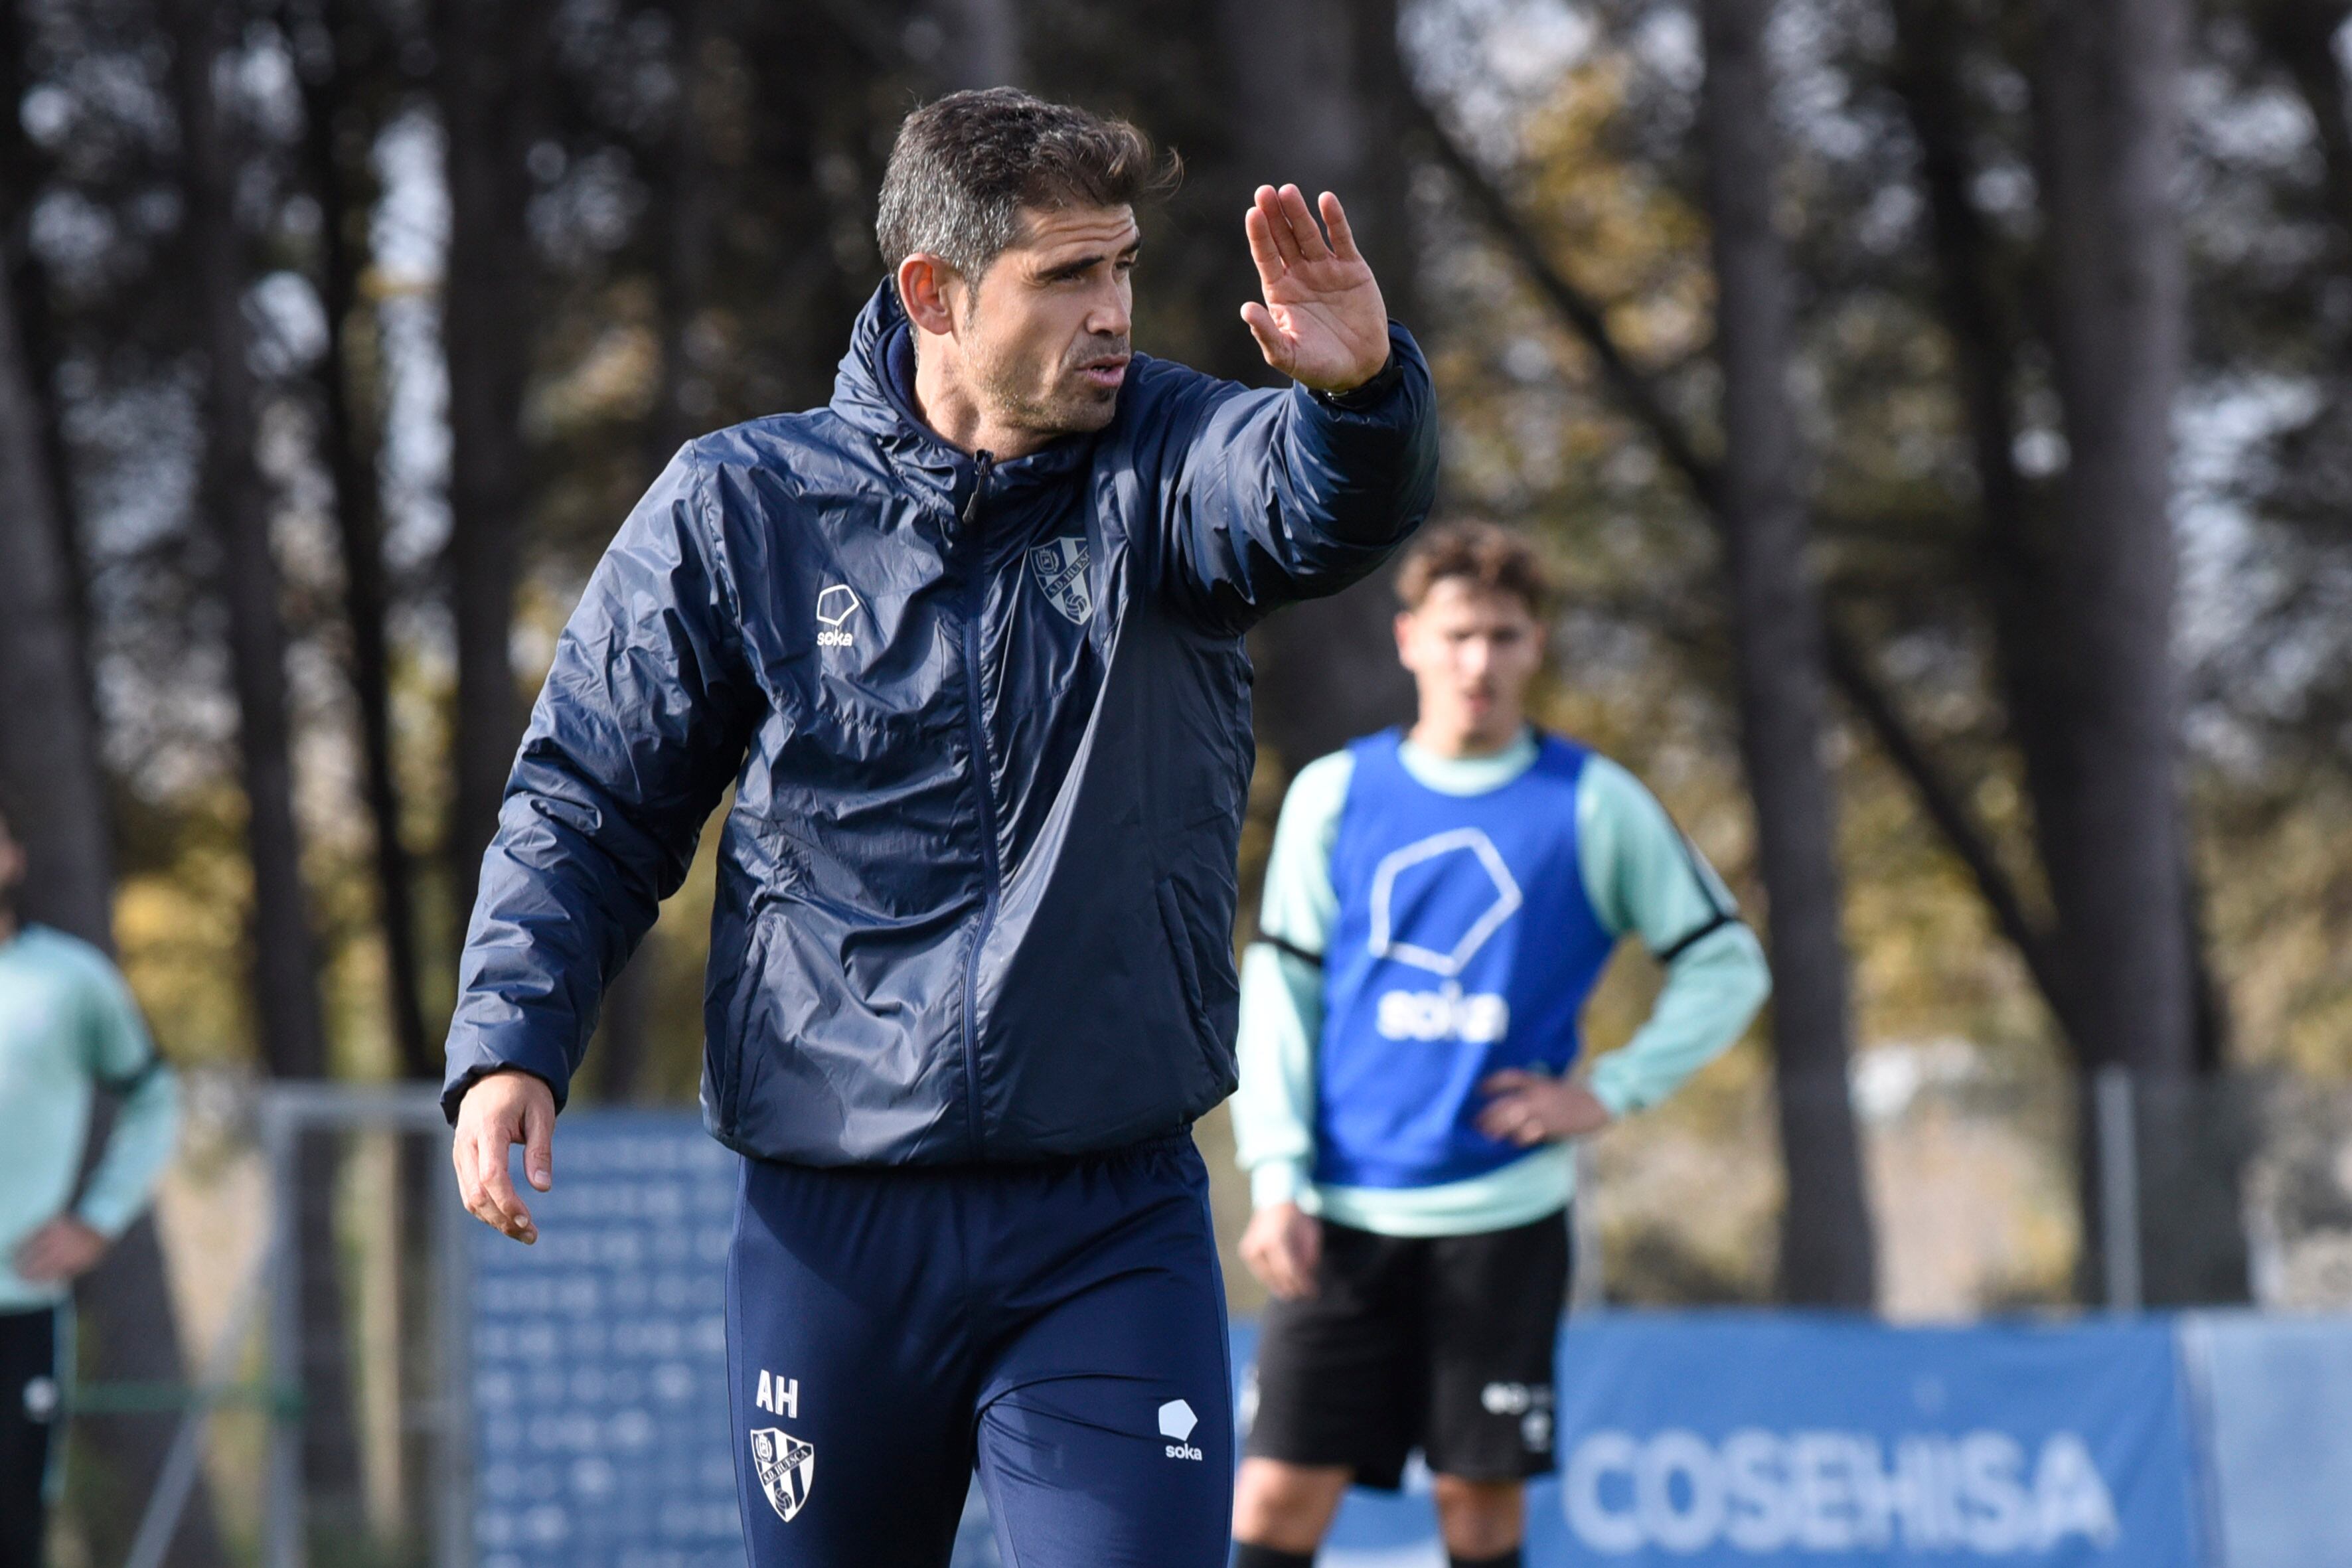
{"x":1370,"y":391}
{"x":502,"y":1070}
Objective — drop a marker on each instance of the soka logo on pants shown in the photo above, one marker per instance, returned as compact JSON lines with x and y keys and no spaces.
{"x":1177,"y":1421}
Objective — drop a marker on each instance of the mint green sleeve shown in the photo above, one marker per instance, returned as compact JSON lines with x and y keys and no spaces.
{"x":1645,"y":880}
{"x":122,"y":1057}
{"x":1282,"y":993}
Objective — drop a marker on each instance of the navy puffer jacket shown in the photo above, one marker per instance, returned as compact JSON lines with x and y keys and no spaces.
{"x":988,"y":730}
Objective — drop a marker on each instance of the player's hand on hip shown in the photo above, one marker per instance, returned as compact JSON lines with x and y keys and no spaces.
{"x":1283,"y":1246}
{"x":1323,"y":322}
{"x":1528,"y":1108}
{"x":499,"y":1111}
{"x":64,"y":1249}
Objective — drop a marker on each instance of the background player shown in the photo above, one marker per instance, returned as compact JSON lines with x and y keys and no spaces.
{"x":968,"y":642}
{"x":1438,"y":906}
{"x":67,"y":1026}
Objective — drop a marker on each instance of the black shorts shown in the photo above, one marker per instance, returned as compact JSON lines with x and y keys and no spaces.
{"x":29,"y":1378}
{"x":1441,"y":1343}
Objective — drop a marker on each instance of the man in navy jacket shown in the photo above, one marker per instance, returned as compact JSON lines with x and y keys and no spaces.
{"x":967,"y":644}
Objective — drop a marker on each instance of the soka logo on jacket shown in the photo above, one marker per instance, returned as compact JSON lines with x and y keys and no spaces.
{"x":1060,"y":568}
{"x":1447,"y":1013}
{"x":834,"y":606}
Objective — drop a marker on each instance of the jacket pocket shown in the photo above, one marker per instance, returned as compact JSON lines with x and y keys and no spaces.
{"x":1188,"y":970}
{"x":1180,"y":947}
{"x":735,"y":1036}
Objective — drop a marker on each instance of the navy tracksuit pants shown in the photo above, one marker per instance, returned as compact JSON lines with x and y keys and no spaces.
{"x":1060,"y":1327}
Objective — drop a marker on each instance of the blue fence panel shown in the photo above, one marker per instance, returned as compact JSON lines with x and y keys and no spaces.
{"x":600,"y":1358}
{"x":2275,"y":1407}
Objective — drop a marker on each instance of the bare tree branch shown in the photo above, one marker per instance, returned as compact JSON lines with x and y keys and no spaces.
{"x":1633,"y":388}
{"x":1636,"y":391}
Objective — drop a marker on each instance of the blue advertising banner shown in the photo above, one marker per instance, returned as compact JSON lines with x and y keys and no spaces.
{"x":1740,"y":1438}
{"x":1729,"y":1440}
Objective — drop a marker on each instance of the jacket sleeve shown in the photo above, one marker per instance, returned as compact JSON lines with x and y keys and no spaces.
{"x":642,"y":722}
{"x":1288,"y":495}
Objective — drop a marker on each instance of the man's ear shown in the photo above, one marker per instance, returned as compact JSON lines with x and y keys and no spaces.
{"x":1403,"y":636}
{"x":923,"y":283}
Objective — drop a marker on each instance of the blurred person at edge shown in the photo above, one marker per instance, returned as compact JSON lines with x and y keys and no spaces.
{"x":970,"y":644}
{"x":68,"y":1027}
{"x":1439,"y":903}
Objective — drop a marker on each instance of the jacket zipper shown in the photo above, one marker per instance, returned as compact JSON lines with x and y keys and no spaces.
{"x":976,"y":604}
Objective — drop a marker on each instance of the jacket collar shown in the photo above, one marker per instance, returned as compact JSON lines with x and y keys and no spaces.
{"x":875,"y":392}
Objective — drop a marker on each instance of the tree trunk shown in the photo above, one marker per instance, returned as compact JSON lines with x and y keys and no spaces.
{"x":56,"y":792}
{"x":2033,"y":570}
{"x":1826,"y":1252}
{"x":233,"y":495}
{"x":2107,"y":124}
{"x":337,"y":175}
{"x":22,"y":168}
{"x":1319,"y":103}
{"x":490,"y":52}
{"x":236,"y":503}
{"x":49,"y":770}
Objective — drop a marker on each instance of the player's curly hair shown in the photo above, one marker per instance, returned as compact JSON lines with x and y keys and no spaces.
{"x":964,"y":166}
{"x":1497,"y":559}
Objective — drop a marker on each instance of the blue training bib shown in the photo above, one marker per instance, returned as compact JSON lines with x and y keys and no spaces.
{"x":1464,"y":943}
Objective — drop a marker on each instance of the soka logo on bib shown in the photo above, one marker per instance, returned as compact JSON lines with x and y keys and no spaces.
{"x":1448,"y":1013}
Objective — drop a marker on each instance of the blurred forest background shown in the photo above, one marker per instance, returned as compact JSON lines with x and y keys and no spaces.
{"x":1937,"y":409}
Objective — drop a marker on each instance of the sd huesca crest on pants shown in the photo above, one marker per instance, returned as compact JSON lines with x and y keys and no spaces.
{"x":785,"y":1465}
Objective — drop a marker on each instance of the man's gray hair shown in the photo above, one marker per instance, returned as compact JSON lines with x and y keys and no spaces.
{"x":964,"y":167}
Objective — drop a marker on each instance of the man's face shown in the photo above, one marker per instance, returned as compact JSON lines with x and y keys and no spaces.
{"x":1471,"y":652}
{"x":12,"y":861}
{"x":1043,"y":339}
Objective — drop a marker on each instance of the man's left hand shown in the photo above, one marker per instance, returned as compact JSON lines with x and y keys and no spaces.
{"x":61,"y":1250}
{"x":1323,"y":322}
{"x":1529,"y":1108}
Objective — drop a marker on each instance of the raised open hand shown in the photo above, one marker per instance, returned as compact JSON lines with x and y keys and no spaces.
{"x":1323,"y":322}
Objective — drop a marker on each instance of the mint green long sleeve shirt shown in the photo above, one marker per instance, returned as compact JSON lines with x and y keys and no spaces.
{"x":67,"y":1026}
{"x":1643,"y":879}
